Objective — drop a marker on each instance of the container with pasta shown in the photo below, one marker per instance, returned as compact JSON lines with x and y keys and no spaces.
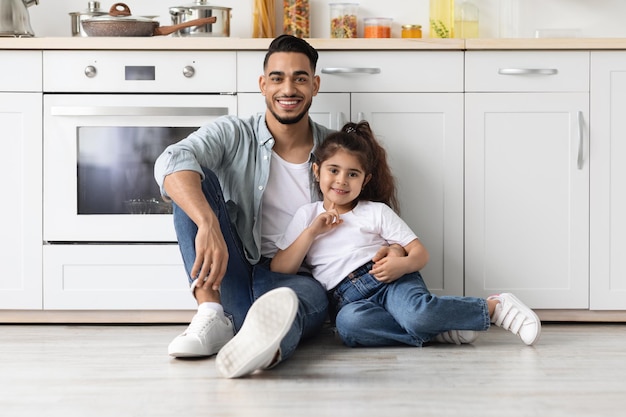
{"x":343,"y":20}
{"x":296,"y":18}
{"x":263,"y":19}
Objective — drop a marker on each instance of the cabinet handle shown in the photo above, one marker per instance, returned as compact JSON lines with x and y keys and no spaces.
{"x":527,"y":71}
{"x":137,"y":111}
{"x":347,"y":70}
{"x":581,"y":126}
{"x":360,"y":116}
{"x":341,"y":120}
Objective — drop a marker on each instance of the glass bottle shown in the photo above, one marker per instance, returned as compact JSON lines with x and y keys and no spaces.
{"x":296,"y":18}
{"x":509,"y":18}
{"x":465,"y":20}
{"x":441,"y":18}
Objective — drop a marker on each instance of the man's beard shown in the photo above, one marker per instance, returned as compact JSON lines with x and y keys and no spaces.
{"x":291,"y":119}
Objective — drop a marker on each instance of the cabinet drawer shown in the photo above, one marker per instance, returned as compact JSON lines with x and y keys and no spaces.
{"x":115,"y":277}
{"x":20,"y":71}
{"x":526,"y":71}
{"x":370,"y":71}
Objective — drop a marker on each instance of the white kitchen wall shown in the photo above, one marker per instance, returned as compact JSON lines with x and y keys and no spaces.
{"x":591,"y":18}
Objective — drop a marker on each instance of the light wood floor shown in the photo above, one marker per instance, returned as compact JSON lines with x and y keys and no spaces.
{"x":118,"y":371}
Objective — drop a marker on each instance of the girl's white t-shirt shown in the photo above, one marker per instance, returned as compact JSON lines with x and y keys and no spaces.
{"x":364,"y":230}
{"x":288,"y":188}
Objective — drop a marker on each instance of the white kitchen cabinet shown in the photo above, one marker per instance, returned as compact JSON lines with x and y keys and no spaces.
{"x":527,"y":177}
{"x":21,"y":127}
{"x":414,"y":102}
{"x":608,"y":181}
{"x":423,"y":135}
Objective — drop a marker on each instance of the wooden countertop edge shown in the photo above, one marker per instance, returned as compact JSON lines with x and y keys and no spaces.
{"x":239,"y":44}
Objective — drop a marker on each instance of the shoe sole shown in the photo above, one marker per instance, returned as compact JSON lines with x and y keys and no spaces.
{"x":255,"y":345}
{"x":528,"y":312}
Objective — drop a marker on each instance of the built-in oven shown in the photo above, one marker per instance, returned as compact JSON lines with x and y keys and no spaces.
{"x":107,"y":116}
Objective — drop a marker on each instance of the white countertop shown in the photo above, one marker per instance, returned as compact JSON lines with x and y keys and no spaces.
{"x":177,"y":43}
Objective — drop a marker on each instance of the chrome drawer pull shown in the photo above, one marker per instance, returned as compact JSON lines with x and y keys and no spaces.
{"x":527,"y":71}
{"x":347,"y":70}
{"x":581,"y":126}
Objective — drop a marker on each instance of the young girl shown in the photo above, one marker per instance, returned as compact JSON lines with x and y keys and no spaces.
{"x":386,"y":302}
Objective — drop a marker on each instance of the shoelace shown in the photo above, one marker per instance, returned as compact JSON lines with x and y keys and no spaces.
{"x":199,"y":322}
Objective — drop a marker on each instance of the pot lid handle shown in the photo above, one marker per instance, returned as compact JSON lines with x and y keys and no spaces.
{"x":119,"y":9}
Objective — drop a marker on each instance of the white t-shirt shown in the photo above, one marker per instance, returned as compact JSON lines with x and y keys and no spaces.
{"x":364,"y":230}
{"x":288,"y":188}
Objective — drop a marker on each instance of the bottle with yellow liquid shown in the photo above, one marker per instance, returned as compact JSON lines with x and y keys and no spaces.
{"x":465,"y":20}
{"x":441,"y":18}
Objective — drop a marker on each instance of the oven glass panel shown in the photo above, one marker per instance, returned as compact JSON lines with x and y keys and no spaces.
{"x":115,"y":168}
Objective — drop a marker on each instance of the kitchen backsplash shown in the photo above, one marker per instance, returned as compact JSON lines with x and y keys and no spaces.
{"x":583,"y":18}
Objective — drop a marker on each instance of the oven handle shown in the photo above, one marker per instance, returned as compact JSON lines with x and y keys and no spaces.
{"x":136,"y":111}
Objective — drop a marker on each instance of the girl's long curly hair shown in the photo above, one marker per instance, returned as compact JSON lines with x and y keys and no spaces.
{"x":359,"y":140}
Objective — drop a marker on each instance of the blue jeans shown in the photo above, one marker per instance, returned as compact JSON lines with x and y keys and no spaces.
{"x":243,"y":282}
{"x":403,"y":312}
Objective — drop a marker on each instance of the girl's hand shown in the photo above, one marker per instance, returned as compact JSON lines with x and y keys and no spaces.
{"x":326,"y":221}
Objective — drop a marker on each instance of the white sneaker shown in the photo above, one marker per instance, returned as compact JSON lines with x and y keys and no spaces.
{"x":255,"y":346}
{"x":457,"y":337}
{"x":513,"y":315}
{"x":205,"y":336}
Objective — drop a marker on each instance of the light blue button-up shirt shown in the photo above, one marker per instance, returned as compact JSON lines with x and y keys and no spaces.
{"x":238,"y":152}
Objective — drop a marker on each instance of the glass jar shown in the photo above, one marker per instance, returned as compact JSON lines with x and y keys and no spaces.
{"x":509,"y":19}
{"x":296,"y":18}
{"x":412,"y":31}
{"x":263,"y":19}
{"x":343,"y":20}
{"x":441,"y":18}
{"x":465,"y":20}
{"x":377,"y":27}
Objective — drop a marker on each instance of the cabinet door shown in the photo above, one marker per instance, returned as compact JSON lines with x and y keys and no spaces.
{"x":608,"y":181}
{"x":329,"y":109}
{"x":20,"y":223}
{"x":423,"y":135}
{"x":526,"y":197}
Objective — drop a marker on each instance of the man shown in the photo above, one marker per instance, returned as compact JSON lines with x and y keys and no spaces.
{"x":235,"y":184}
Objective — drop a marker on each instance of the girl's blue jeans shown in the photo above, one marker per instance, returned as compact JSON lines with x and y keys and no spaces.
{"x":403,"y":312}
{"x":243,"y":282}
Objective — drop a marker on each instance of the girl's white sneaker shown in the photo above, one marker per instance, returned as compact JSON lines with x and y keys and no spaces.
{"x":513,"y":315}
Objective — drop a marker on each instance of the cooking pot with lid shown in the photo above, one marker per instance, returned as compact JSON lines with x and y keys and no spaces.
{"x":14,"y":18}
{"x":93,"y":9}
{"x":201,"y":9}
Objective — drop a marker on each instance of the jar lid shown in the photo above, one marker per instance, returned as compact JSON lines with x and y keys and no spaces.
{"x":411,"y":26}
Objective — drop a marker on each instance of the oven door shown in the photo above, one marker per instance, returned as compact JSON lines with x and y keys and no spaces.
{"x":99,"y":154}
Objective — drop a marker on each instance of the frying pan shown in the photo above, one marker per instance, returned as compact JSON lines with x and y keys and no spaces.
{"x":119,"y":22}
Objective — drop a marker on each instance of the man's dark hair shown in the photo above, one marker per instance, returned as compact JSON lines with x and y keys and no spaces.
{"x":289,"y":43}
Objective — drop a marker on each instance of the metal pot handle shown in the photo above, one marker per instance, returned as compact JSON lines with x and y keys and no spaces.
{"x":179,"y":11}
{"x":166,"y":30}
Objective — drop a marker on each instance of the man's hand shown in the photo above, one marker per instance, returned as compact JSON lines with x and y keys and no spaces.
{"x":211,"y":258}
{"x":389,"y":263}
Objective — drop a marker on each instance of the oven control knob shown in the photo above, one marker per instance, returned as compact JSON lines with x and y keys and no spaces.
{"x":189,"y":71}
{"x":90,"y":71}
